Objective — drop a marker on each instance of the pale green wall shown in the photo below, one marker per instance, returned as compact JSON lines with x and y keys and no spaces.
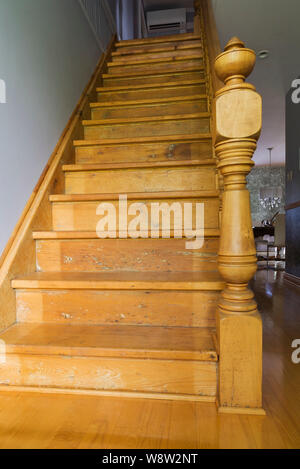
{"x":47,"y":55}
{"x":264,"y":177}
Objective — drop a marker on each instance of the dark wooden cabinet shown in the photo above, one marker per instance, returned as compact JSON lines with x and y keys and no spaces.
{"x":292,"y":185}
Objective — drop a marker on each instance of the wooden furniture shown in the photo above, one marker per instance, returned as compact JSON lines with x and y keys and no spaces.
{"x":292,"y":208}
{"x":113,"y":313}
{"x":269,"y":250}
{"x":263,"y":245}
{"x":261,"y":231}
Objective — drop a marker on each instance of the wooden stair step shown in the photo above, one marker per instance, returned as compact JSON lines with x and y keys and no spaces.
{"x":180,"y":361}
{"x":136,"y":120}
{"x":146,"y":102}
{"x":138,"y":165}
{"x":150,"y":107}
{"x":162,"y":39}
{"x":135,"y":51}
{"x":122,"y":178}
{"x":167,"y":68}
{"x":65,"y":198}
{"x":79,"y":212}
{"x":182,"y":308}
{"x":70,"y":252}
{"x":187,"y":281}
{"x":170,"y":148}
{"x":159,"y":77}
{"x":141,"y":140}
{"x":190,"y":300}
{"x":145,"y":86}
{"x":118,"y":341}
{"x":167,"y":52}
{"x":134,"y":93}
{"x":131,"y":64}
{"x":92,"y":235}
{"x":147,"y":126}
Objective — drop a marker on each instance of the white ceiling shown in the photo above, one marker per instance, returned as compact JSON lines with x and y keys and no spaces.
{"x":272,"y":25}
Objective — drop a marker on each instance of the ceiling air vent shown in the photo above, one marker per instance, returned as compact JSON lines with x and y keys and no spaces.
{"x":167,"y":20}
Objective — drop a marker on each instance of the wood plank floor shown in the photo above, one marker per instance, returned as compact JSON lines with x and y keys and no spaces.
{"x":68,"y":421}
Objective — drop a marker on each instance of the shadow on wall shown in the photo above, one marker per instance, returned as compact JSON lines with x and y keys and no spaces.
{"x":263,"y":177}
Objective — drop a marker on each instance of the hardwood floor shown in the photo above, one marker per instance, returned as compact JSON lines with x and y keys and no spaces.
{"x":70,"y":421}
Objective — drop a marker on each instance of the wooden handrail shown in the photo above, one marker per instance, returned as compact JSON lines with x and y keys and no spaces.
{"x":237,"y":121}
{"x":205,"y":25}
{"x":19,"y":255}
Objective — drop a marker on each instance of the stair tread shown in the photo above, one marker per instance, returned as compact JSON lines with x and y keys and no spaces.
{"x":206,"y":281}
{"x":147,"y":72}
{"x":133,"y":120}
{"x":75,"y":235}
{"x":171,"y":84}
{"x":157,"y":138}
{"x":159,"y":60}
{"x":144,"y":51}
{"x":133,"y":196}
{"x":130,"y":165}
{"x":155,"y":40}
{"x":139,"y":102}
{"x":111,"y":341}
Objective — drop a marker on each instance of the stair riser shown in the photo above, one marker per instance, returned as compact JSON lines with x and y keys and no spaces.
{"x":181,"y":309}
{"x":151,"y":48}
{"x":82,"y":216}
{"x":172,"y":54}
{"x":143,"y":152}
{"x":135,"y":255}
{"x":159,"y":376}
{"x":155,"y":93}
{"x":154,"y":68}
{"x":148,"y":129}
{"x":150,"y":110}
{"x":162,"y":79}
{"x":140,"y":180}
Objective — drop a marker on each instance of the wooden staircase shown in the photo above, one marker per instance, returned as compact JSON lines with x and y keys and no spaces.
{"x":129,"y":316}
{"x":101,"y":309}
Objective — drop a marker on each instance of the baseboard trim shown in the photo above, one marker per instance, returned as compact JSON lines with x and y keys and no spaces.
{"x":292,"y":279}
{"x":118,"y":394}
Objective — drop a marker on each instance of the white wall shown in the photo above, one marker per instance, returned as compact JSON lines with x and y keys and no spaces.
{"x":271,"y":25}
{"x":47,"y":55}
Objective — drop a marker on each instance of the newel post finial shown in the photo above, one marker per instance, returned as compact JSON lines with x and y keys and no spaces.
{"x":197,"y":5}
{"x":236,"y":63}
{"x":237,"y":126}
{"x":197,"y":21}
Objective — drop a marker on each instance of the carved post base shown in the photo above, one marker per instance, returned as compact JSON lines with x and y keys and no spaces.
{"x":238,"y":320}
{"x":240,"y":342}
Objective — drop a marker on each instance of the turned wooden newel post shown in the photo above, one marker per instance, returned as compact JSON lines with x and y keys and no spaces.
{"x":197,"y":19}
{"x":238,"y":109}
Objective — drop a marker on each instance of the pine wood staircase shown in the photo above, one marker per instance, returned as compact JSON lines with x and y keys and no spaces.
{"x":129,"y":316}
{"x":85,"y":311}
